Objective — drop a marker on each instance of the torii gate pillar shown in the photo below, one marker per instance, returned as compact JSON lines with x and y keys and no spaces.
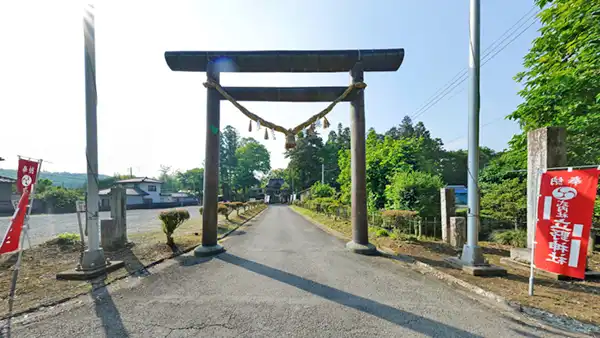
{"x":360,"y":228}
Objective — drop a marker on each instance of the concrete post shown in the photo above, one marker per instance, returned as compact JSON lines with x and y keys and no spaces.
{"x":93,"y":257}
{"x":360,"y":236}
{"x":546,"y":148}
{"x":211,"y":169}
{"x":447,"y":203}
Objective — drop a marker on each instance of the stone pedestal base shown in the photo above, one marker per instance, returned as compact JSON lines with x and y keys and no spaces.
{"x":522,"y":255}
{"x":206,"y":251}
{"x":368,"y":249}
{"x":476,"y":270}
{"x":80,"y":274}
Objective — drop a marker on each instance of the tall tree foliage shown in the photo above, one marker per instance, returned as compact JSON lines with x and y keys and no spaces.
{"x":192,"y":180}
{"x":562,"y":79}
{"x":402,"y":148}
{"x":229,"y":143}
{"x":306,"y":159}
{"x":252,"y":158}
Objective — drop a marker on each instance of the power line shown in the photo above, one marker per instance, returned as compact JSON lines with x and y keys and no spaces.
{"x":482,"y":126}
{"x":494,"y":49}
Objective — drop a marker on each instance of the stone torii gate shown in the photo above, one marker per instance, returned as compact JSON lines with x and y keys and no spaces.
{"x":354,"y":61}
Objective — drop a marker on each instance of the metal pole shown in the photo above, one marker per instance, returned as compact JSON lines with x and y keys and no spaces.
{"x":360,"y":236}
{"x":472,"y":254}
{"x":322,"y":173}
{"x":210,"y":245}
{"x":533,"y":242}
{"x":94,"y":256}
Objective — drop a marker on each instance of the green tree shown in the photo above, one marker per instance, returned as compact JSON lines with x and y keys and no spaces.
{"x":505,"y":201}
{"x":305,"y":160}
{"x":253,"y":159}
{"x":61,"y":199}
{"x":453,"y":164}
{"x":170,"y":182}
{"x":562,"y":79}
{"x":192,"y":180}
{"x":229,"y":144}
{"x":416,"y":191}
{"x":42,"y":185}
{"x":321,"y":190}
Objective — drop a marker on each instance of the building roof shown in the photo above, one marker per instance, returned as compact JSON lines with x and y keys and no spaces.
{"x":128,"y":192}
{"x":4,"y":179}
{"x":275,"y":182}
{"x":139,"y":180}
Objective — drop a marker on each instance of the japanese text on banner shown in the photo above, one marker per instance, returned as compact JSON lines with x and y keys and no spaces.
{"x":565,"y":210}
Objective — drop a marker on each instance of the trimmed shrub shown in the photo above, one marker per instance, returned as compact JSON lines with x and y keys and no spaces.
{"x":382,"y":233}
{"x":171,"y":220}
{"x":237,"y":206}
{"x":67,"y":238}
{"x":223,"y":209}
{"x":201,"y":210}
{"x":515,"y":238}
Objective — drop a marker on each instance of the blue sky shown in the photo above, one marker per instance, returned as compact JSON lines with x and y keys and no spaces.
{"x":149,"y":115}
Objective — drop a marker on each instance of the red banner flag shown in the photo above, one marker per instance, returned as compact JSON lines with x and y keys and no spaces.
{"x":565,"y":210}
{"x":13,"y":234}
{"x":26,"y":174}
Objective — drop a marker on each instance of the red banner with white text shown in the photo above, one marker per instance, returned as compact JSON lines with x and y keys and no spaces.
{"x":26,"y":174}
{"x":13,"y":234}
{"x":564,"y":221}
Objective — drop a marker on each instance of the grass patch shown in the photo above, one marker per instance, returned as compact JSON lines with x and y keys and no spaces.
{"x":577,"y":300}
{"x":37,"y":284}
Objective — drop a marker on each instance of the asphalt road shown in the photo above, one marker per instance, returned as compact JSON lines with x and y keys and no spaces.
{"x":44,"y":227}
{"x":280,"y":277}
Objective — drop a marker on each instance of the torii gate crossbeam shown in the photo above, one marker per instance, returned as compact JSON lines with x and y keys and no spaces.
{"x":354,"y":61}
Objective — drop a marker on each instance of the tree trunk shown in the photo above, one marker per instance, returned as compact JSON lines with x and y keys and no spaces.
{"x":170,"y":241}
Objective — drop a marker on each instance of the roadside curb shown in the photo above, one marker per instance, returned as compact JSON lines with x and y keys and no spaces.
{"x":541,"y":316}
{"x":145,"y":267}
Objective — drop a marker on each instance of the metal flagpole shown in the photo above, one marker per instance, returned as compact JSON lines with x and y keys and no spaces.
{"x":533,"y":242}
{"x":472,"y":254}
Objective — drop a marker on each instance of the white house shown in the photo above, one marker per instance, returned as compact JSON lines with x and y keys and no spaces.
{"x":140,"y":191}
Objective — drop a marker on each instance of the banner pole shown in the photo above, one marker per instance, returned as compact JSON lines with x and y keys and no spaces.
{"x":533,"y":242}
{"x":13,"y":283}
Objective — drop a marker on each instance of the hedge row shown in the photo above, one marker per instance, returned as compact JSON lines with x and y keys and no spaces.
{"x":403,"y":220}
{"x":225,"y":208}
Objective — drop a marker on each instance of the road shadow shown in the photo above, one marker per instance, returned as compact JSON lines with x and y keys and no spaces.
{"x":107,"y":311}
{"x":133,"y":265}
{"x":398,"y":317}
{"x":237,"y":233}
{"x":191,"y":260}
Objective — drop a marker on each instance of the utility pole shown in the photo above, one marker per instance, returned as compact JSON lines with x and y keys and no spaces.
{"x":472,"y":254}
{"x":322,"y":173}
{"x":93,"y":257}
